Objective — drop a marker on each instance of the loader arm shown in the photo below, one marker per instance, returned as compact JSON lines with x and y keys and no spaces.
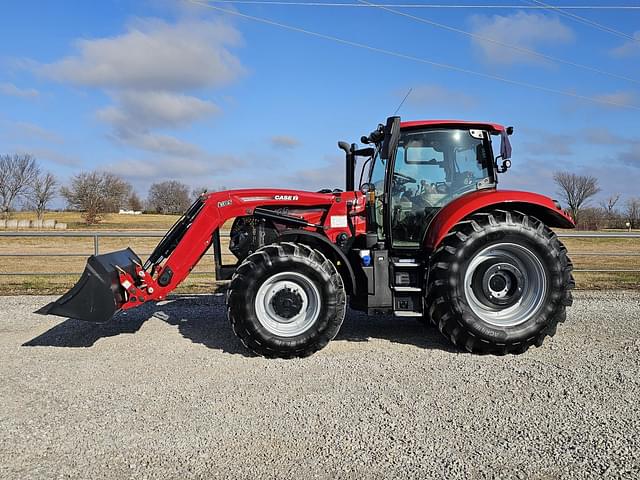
{"x":119,"y":281}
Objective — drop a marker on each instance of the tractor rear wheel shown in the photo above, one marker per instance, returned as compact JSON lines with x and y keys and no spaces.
{"x":499,"y":283}
{"x":286,"y":300}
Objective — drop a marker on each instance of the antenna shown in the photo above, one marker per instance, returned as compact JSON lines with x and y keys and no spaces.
{"x":403,"y":100}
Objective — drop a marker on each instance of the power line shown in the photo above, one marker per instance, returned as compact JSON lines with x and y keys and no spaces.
{"x":585,"y":21}
{"x":428,"y":5}
{"x":392,"y":53}
{"x":518,"y":48}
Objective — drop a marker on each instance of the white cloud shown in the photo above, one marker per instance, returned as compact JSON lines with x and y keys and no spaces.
{"x":284,"y":142}
{"x":154,"y":55}
{"x":602,"y":136}
{"x":631,"y":156}
{"x":526,"y":30}
{"x":631,"y":48}
{"x":13,"y":91}
{"x":554,"y":144}
{"x":157,"y":143}
{"x":148,"y":71}
{"x":330,"y":175}
{"x":620,"y":99}
{"x":148,"y":109}
{"x":53,"y":156}
{"x":426,"y":95}
{"x":31,"y":131}
{"x":191,"y":170}
{"x":11,"y":131}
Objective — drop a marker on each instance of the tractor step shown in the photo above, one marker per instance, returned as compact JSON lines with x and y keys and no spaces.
{"x":404,"y":313}
{"x":406,"y":280}
{"x":406,"y":289}
{"x":411,"y":263}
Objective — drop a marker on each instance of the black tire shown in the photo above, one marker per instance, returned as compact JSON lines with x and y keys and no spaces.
{"x":282,"y":259}
{"x":451,"y":306}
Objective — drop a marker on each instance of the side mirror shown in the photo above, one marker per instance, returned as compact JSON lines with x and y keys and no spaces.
{"x":391,"y":138}
{"x":506,"y":164}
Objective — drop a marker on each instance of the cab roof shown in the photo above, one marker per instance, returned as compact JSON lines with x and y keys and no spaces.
{"x":492,"y":127}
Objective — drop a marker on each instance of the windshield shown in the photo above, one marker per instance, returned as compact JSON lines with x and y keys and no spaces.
{"x":443,"y":161}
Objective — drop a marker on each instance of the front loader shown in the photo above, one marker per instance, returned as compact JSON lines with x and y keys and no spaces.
{"x":427,"y":234}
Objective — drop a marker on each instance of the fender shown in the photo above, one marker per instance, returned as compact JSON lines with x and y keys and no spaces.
{"x":331,"y":250}
{"x":534,"y":204}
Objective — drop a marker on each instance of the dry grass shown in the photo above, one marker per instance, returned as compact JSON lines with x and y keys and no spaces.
{"x":582,"y":252}
{"x":202,"y":280}
{"x":112,"y":221}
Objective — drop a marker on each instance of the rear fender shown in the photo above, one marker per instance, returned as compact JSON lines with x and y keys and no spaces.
{"x":533,"y":204}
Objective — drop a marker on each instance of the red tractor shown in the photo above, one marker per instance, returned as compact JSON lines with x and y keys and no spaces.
{"x":427,"y":235}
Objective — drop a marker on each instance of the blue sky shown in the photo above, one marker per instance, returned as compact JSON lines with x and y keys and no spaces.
{"x":165,"y":89}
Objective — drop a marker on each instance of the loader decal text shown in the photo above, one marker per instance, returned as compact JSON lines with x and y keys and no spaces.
{"x":292,"y":198}
{"x":224,"y":203}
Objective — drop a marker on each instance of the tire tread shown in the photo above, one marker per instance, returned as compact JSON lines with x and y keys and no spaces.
{"x":266,"y":257}
{"x":441,"y":301}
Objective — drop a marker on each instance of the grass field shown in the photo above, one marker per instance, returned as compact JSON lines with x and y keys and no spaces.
{"x":583,"y":252}
{"x":111,"y":222}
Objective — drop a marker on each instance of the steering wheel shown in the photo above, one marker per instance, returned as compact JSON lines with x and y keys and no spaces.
{"x":442,"y":187}
{"x":404,"y":179}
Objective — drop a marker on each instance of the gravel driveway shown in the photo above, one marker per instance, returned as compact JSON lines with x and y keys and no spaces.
{"x":168,"y":392}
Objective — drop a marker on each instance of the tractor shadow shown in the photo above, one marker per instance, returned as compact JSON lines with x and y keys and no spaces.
{"x":359,"y":327}
{"x":198,"y":318}
{"x":202,"y":319}
{"x":74,"y":333}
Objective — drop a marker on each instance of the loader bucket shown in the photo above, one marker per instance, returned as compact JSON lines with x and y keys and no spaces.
{"x":98,"y":294}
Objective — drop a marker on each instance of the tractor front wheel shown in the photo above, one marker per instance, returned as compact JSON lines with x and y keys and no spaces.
{"x":499,"y":283}
{"x":286,"y":300}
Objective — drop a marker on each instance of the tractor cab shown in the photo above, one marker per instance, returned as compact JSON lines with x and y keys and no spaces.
{"x":419,"y":167}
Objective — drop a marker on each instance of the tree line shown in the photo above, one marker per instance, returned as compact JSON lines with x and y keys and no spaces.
{"x":22,"y":180}
{"x":577,"y":191}
{"x":23,"y":184}
{"x":97,"y":193}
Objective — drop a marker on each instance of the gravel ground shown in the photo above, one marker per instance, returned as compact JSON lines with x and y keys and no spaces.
{"x":167,"y":391}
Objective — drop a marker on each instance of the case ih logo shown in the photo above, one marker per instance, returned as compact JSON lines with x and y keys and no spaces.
{"x":286,"y":197}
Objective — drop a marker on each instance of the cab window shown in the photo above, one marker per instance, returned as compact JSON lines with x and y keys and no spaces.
{"x":377,"y":177}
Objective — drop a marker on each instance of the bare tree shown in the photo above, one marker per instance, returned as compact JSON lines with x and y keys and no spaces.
{"x":576,"y":190}
{"x":42,"y":192}
{"x":169,"y":197}
{"x":17,"y":174}
{"x":134,"y":203}
{"x":609,"y":205}
{"x":609,"y":208}
{"x":95,"y":194}
{"x":196,"y":192}
{"x":592,"y":218}
{"x":632,"y":211}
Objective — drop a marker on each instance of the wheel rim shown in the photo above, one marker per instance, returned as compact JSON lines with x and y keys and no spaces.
{"x":287,"y":304}
{"x":505,"y":284}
